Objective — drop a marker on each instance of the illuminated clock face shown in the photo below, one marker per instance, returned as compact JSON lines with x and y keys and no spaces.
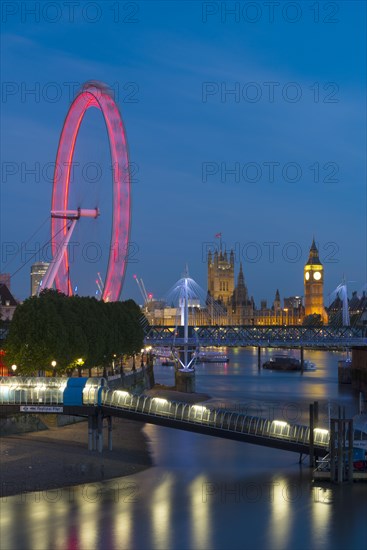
{"x":317,"y":275}
{"x":307,"y":276}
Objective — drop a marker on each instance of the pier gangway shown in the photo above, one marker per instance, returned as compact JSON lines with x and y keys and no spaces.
{"x":47,"y":395}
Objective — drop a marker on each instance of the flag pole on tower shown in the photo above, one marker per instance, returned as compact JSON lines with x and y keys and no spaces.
{"x":219,"y":236}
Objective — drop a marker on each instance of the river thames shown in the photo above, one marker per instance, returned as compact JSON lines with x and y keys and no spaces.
{"x":208,"y":493}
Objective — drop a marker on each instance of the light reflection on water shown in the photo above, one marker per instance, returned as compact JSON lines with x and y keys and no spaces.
{"x":182,"y":510}
{"x":205,"y":492}
{"x":161,"y":500}
{"x":200,"y":517}
{"x":280,"y":513}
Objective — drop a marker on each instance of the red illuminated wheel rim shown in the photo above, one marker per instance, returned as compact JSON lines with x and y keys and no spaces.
{"x":94,"y":94}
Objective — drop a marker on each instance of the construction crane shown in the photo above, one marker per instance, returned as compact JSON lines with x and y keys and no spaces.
{"x":100,"y":285}
{"x":146,"y":297}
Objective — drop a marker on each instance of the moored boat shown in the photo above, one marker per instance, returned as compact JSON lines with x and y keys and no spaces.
{"x":286,"y":363}
{"x":309,"y":365}
{"x":210,"y":356}
{"x":282,"y":363}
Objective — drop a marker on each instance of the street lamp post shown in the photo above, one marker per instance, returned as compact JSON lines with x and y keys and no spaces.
{"x":80,"y":363}
{"x":53,"y":365}
{"x":286,"y":316}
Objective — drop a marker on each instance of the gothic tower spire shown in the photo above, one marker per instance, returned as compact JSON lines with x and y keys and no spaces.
{"x":314,"y":284}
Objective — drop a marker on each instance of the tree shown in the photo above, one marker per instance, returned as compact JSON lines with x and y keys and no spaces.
{"x":54,"y":327}
{"x":37,"y":336}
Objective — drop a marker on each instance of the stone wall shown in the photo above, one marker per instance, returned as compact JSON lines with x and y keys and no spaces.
{"x":21,"y":423}
{"x":134,"y":381}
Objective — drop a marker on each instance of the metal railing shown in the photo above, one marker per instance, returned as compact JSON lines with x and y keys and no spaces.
{"x":32,"y":391}
{"x":277,"y":336}
{"x":49,"y":391}
{"x":221,"y":419}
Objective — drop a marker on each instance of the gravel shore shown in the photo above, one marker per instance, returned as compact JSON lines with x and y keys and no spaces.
{"x":59,"y":457}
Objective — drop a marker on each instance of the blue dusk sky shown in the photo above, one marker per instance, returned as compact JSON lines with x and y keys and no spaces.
{"x":242,"y":118}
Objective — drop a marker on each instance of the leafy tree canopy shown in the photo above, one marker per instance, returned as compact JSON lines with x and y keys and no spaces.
{"x":54,"y":327}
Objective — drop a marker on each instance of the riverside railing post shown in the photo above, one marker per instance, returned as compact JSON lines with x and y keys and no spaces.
{"x":302,"y":361}
{"x":316,"y":418}
{"x":312,"y":418}
{"x":332,"y":449}
{"x":350,"y":450}
{"x":344,"y":448}
{"x":109,"y":423}
{"x":316,"y":413}
{"x":259,"y":357}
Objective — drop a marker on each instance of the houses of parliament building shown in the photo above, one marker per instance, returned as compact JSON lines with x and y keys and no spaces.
{"x":229,"y":303}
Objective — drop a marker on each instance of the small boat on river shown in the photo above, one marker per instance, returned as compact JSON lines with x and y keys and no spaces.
{"x":212,"y":356}
{"x":286,"y":363}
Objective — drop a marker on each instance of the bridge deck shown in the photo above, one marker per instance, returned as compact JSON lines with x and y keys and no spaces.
{"x":196,"y":418}
{"x":275,"y":336}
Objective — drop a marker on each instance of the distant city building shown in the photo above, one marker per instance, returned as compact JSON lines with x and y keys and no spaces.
{"x":293,"y":302}
{"x":230,"y":304}
{"x":221,"y":277}
{"x":38,"y":271}
{"x":242,"y":307}
{"x":291,"y":314}
{"x":8,"y":303}
{"x":314,"y":285}
{"x":5,"y":279}
{"x":357,"y":310}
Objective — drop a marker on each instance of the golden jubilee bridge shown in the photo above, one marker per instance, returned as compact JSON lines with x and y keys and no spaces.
{"x":326,"y":337}
{"x":340,"y":336}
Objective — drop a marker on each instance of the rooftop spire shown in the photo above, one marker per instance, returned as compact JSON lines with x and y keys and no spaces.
{"x":314,"y":254}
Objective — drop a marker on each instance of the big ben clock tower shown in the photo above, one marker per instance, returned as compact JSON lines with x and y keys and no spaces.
{"x":314,"y":284}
